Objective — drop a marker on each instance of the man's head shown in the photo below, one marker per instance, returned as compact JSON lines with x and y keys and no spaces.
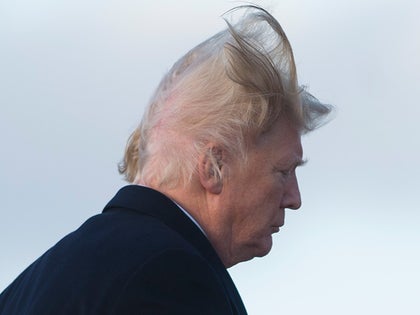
{"x":224,"y":125}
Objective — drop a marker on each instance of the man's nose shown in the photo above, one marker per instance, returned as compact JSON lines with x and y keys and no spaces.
{"x":292,"y":198}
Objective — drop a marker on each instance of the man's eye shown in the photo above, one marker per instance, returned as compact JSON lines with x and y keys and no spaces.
{"x":286,"y":173}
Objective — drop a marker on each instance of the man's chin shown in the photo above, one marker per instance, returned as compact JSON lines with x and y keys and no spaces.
{"x":264,"y":247}
{"x":260,"y":249}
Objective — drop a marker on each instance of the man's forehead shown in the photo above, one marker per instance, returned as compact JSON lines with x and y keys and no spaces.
{"x":282,"y":139}
{"x":280,"y":131}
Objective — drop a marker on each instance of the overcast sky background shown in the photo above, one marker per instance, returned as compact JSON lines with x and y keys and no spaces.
{"x":76,"y":75}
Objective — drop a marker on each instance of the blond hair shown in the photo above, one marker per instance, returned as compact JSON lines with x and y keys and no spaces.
{"x":230,"y":88}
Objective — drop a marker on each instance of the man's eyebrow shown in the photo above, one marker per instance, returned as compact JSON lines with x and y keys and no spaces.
{"x":298,"y":162}
{"x":301,"y":162}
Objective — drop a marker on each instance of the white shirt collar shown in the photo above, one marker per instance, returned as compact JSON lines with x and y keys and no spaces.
{"x":183,"y":210}
{"x":191,"y":217}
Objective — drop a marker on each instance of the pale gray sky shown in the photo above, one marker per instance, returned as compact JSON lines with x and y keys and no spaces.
{"x":74,"y":79}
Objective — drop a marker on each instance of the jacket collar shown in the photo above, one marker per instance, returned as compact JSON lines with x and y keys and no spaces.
{"x":150,"y":202}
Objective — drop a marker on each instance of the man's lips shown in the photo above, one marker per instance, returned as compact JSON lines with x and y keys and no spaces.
{"x":275,"y":229}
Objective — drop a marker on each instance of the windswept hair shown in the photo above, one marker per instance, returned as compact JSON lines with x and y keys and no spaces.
{"x":230,"y":88}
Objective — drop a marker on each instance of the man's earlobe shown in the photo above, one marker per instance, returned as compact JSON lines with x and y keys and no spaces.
{"x":210,"y":169}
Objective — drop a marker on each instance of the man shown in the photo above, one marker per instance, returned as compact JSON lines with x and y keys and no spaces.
{"x":213,"y":169}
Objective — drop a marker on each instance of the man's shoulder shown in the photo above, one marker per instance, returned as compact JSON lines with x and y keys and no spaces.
{"x":99,"y":261}
{"x":124,"y":233}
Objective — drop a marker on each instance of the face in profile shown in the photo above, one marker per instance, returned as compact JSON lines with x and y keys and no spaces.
{"x":256,"y":195}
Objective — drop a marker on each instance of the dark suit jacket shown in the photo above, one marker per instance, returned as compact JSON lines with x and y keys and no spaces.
{"x":142,"y":255}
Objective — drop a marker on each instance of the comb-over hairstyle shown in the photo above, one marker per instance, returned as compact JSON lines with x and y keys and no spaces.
{"x":231,"y":88}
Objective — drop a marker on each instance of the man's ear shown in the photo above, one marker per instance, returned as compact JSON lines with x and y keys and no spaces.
{"x":211,"y":168}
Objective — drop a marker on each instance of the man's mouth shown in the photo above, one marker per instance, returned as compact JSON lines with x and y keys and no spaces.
{"x":275,"y":229}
